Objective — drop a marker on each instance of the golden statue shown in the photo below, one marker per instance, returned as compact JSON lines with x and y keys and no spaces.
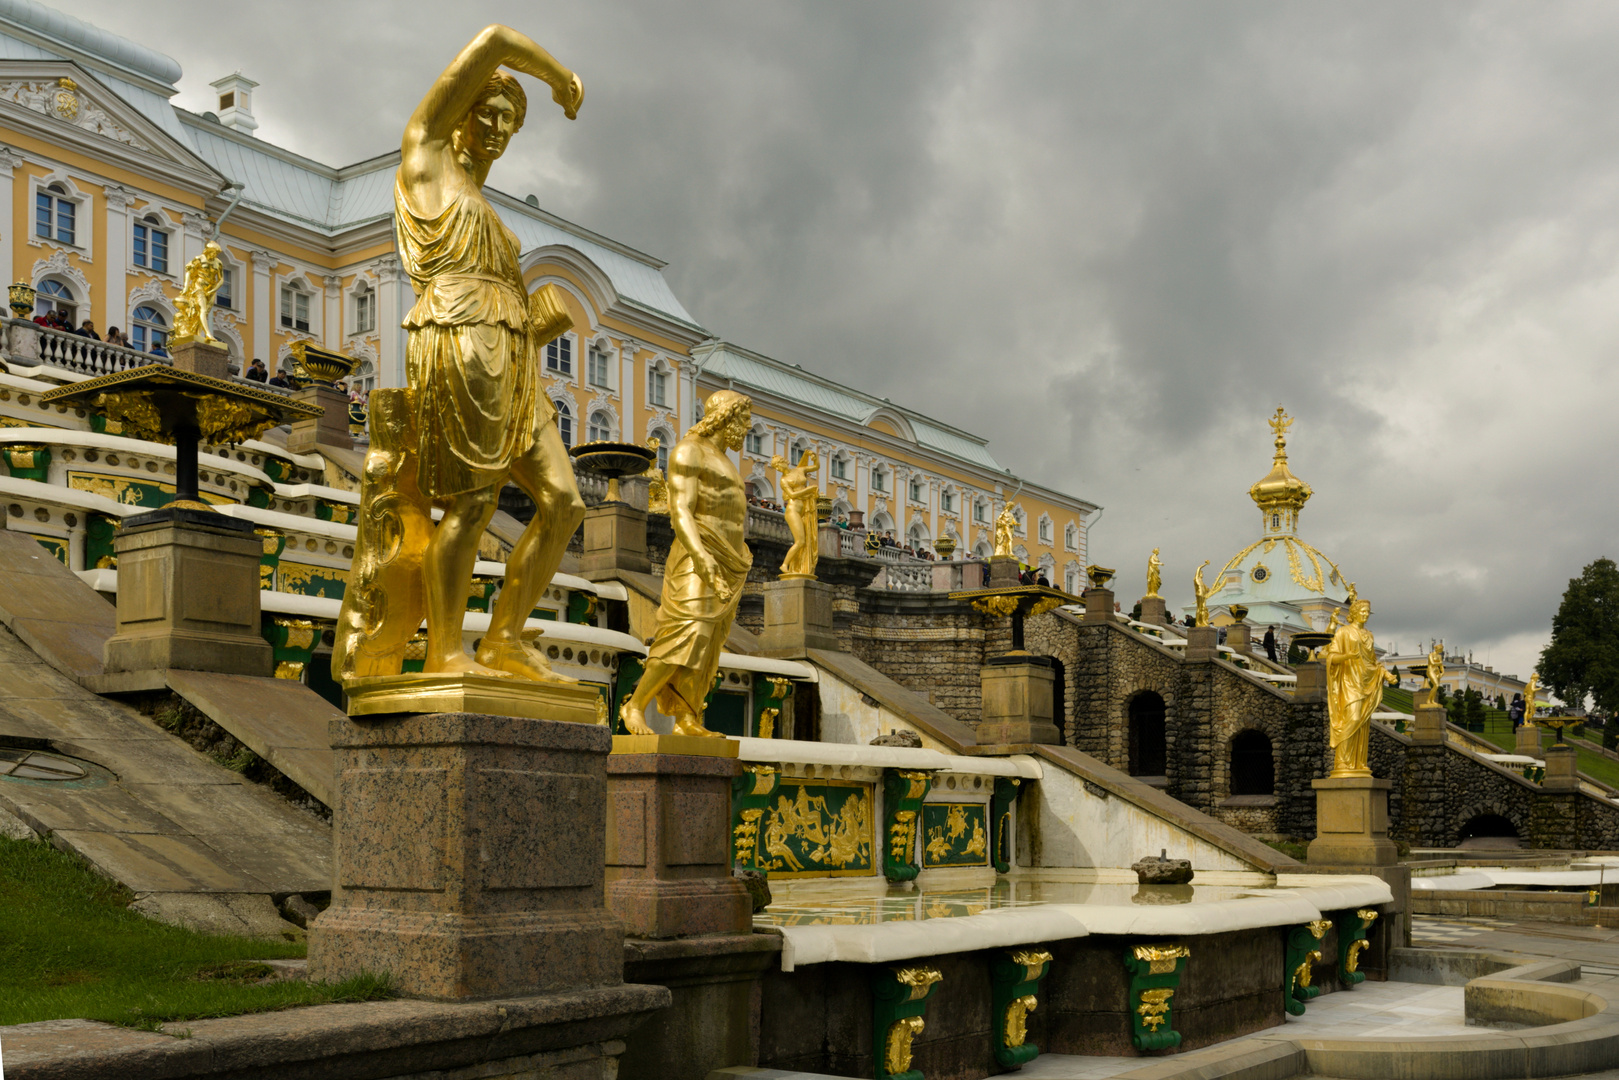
{"x":472,"y":416}
{"x":1203,"y":592}
{"x":1355,"y":681}
{"x":1337,"y":616}
{"x":1529,"y":693}
{"x":1155,"y":575}
{"x":657,"y":489}
{"x":1005,"y":525}
{"x":195,"y":304}
{"x":1436,"y":671}
{"x":702,"y":580}
{"x":798,"y":493}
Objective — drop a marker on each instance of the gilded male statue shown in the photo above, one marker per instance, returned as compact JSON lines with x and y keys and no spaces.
{"x":472,"y":359}
{"x":702,"y":580}
{"x":1005,"y":526}
{"x":799,"y":495}
{"x":1529,"y":693}
{"x":1436,"y":671}
{"x":195,"y":304}
{"x":1355,"y":681}
{"x":1155,"y":573}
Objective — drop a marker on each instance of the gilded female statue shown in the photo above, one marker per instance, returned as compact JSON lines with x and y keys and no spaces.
{"x":1155,"y":573}
{"x":1436,"y":671}
{"x":799,"y":494}
{"x":1005,"y":526}
{"x":1355,"y":681}
{"x":472,"y":359}
{"x":1202,"y":592}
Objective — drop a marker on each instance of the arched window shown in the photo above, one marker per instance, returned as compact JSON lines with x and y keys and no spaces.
{"x":799,"y":449}
{"x":55,"y":215}
{"x":665,"y":441}
{"x":840,"y":467}
{"x":149,"y":331}
{"x":917,"y":535}
{"x":879,"y":480}
{"x":151,"y":244}
{"x":55,"y":296}
{"x":565,"y":423}
{"x":365,"y":309}
{"x":600,"y":428}
{"x":294,"y":307}
{"x":982,"y":549}
{"x":1149,"y":749}
{"x":754,"y":444}
{"x":1253,"y":767}
{"x":365,"y":377}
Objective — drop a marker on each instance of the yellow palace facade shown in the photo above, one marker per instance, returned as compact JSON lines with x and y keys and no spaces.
{"x":113,"y":188}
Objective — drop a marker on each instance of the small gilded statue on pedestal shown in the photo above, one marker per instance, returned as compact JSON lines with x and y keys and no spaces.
{"x":798,"y":495}
{"x":1355,"y":681}
{"x":1005,"y":527}
{"x":473,"y":416}
{"x":1155,"y":573}
{"x":195,"y":304}
{"x":1202,"y":592}
{"x":702,"y":580}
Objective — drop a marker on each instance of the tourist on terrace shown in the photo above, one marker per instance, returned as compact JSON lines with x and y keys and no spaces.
{"x":256,"y":371}
{"x":88,"y":329}
{"x":116,"y":336}
{"x":1270,"y":644}
{"x":281,"y":379}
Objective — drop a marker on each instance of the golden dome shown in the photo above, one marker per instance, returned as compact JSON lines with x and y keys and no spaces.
{"x":1280,"y":490}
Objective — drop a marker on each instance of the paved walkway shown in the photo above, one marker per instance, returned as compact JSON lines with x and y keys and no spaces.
{"x":1402,"y":1010}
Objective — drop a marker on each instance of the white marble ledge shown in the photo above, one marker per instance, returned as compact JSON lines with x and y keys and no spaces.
{"x":317,"y":491}
{"x":801,"y":752}
{"x":1335,"y":892}
{"x":89,"y":440}
{"x":1490,"y":877}
{"x":889,"y":941}
{"x":55,"y":495}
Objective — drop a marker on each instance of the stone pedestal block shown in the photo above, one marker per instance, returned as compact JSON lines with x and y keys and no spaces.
{"x":1562,"y":771}
{"x":330,"y":428}
{"x":1202,"y":643}
{"x":1003,"y":570}
{"x":1352,"y":822}
{"x":1528,"y":736}
{"x":798,"y":617}
{"x":1018,"y":701}
{"x":1098,"y":604}
{"x":202,"y":359}
{"x":1430,"y":725}
{"x":1154,"y":610}
{"x":615,"y":539}
{"x":470,"y":855}
{"x":669,"y":846}
{"x":188,"y":597}
{"x":1312,"y":682}
{"x":1240,"y":636}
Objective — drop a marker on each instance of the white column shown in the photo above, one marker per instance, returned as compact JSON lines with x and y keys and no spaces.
{"x":9,"y":160}
{"x":393,"y":303}
{"x":332,"y":317}
{"x":115,"y":307}
{"x":687,"y":374}
{"x":628,"y":385}
{"x":264,"y":312}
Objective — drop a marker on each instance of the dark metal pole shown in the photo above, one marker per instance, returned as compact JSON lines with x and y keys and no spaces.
{"x":186,"y":437}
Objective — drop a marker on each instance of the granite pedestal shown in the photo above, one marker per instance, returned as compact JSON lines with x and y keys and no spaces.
{"x":1098,"y":605}
{"x":470,"y":852}
{"x":1430,"y":725}
{"x":188,"y":596}
{"x":1528,"y":740}
{"x":202,"y":359}
{"x":615,"y":539}
{"x":1202,"y":643}
{"x":1562,"y":769}
{"x":1003,"y":570}
{"x":1018,"y":700}
{"x":1240,"y":636}
{"x":1352,"y":822}
{"x":330,"y":428}
{"x":798,"y":618}
{"x":669,"y":845}
{"x":1154,"y":610}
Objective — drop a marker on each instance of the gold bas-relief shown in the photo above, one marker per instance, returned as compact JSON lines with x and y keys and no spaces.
{"x":1352,"y":959}
{"x":897,"y":1054}
{"x":472,"y":416}
{"x":767,"y":723}
{"x":918,"y":979}
{"x":1017,"y":1019}
{"x":1355,"y":681}
{"x":195,"y":304}
{"x":1154,"y":1004}
{"x":998,"y":606}
{"x":1160,"y":959}
{"x":1155,"y":573}
{"x":1302,"y":975}
{"x":798,"y":493}
{"x":707,"y":566}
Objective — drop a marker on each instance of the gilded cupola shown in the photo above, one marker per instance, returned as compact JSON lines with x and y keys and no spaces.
{"x":1280,"y":495}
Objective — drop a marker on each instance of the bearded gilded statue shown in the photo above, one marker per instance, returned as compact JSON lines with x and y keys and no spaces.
{"x":1355,"y":681}
{"x":798,"y":494}
{"x":702,"y":580}
{"x":472,"y":416}
{"x":194,"y":306}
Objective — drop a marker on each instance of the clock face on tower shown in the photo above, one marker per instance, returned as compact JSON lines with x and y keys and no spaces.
{"x":1260,"y":573}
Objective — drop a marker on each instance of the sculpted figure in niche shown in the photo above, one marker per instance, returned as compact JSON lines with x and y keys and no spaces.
{"x":1355,"y":681}
{"x":799,"y":494}
{"x":708,"y":563}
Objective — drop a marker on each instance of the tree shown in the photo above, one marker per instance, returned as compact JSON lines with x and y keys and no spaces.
{"x":1582,"y":658}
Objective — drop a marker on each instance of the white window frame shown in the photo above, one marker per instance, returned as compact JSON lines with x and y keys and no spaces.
{"x":298,"y":285}
{"x":659,"y":376}
{"x":363,"y":308}
{"x":565,"y":422}
{"x":40,"y":294}
{"x":666,"y":443}
{"x":153,"y":219}
{"x":599,"y":348}
{"x":137,"y":329}
{"x":562,"y":343}
{"x":1045,"y":529}
{"x":84,"y":236}
{"x":607,"y":431}
{"x":917,"y":489}
{"x":754,"y":443}
{"x":879,"y":479}
{"x":840,"y":466}
{"x":981,"y":511}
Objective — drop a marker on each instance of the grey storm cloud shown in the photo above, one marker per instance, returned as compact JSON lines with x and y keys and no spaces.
{"x":1109,"y":237}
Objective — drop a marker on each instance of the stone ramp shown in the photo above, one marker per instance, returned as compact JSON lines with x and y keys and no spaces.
{"x":282,"y":721}
{"x":59,"y":617}
{"x":197,"y":843}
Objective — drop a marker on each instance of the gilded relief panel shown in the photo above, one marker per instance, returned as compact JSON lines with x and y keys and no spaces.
{"x":818,"y":828}
{"x":955,"y":834}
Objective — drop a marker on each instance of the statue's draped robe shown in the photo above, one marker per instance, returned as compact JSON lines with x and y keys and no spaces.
{"x":693,"y":622}
{"x":468,"y":360}
{"x":1354,"y":690}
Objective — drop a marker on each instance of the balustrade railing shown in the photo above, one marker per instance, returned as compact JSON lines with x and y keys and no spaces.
{"x":28,"y":344}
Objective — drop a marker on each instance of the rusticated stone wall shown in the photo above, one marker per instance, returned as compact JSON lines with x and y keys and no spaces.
{"x":926,"y":642}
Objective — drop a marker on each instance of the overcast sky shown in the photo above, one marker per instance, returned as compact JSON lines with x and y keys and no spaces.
{"x":1111,"y":238}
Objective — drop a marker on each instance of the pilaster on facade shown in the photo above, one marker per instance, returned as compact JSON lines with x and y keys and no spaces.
{"x":332,"y":324}
{"x":687,"y":392}
{"x":195,"y":229}
{"x":263,"y":313}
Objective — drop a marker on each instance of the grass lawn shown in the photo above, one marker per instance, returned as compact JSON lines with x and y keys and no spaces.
{"x":1591,"y":764}
{"x":71,"y":948}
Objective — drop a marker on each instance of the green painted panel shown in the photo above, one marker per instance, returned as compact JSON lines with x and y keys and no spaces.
{"x":817,"y":828}
{"x":955,"y":834}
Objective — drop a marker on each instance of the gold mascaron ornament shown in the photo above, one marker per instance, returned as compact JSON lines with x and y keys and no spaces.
{"x":472,"y":416}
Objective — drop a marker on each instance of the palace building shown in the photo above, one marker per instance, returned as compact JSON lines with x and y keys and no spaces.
{"x":113,"y":188}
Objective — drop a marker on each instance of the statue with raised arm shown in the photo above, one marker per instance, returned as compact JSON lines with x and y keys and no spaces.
{"x":1202,"y":592}
{"x":473,"y":416}
{"x":798,"y":495}
{"x":1355,"y":681}
{"x":707,"y":566}
{"x":1436,"y":671}
{"x":1005,"y":526}
{"x":1155,"y":573}
{"x":194,"y":306}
